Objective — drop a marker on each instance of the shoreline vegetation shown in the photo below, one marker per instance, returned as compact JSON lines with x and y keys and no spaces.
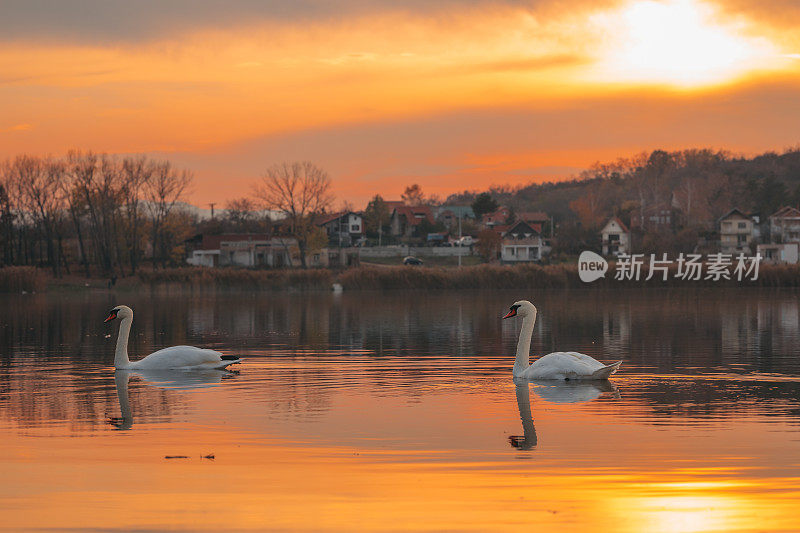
{"x":555,"y":276}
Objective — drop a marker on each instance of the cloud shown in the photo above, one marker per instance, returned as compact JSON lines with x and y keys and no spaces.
{"x":17,"y":127}
{"x":99,"y":21}
{"x":477,"y":148}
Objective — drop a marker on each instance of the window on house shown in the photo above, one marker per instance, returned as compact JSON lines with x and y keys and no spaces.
{"x":742,"y":225}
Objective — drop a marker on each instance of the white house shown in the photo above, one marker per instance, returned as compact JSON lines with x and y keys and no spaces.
{"x":249,"y":250}
{"x":779,"y":253}
{"x":784,"y":226}
{"x":522,"y":243}
{"x":343,"y":229}
{"x":736,"y":232}
{"x":616,"y":238}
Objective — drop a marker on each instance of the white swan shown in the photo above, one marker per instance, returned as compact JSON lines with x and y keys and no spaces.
{"x":556,"y":365}
{"x":174,"y":357}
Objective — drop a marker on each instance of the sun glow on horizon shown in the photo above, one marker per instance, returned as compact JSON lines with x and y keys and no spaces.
{"x":682,"y":43}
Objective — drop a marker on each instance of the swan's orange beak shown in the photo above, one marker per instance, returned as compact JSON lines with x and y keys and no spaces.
{"x":511,"y":313}
{"x":111,"y":316}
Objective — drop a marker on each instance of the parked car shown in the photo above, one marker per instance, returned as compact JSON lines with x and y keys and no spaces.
{"x":413,"y":261}
{"x":466,"y":240}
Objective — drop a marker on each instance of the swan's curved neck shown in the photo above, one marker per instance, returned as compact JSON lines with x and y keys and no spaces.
{"x":121,"y":355}
{"x":523,"y":360}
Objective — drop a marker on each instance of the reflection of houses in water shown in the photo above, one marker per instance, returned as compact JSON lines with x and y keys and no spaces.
{"x":777,"y":331}
{"x":762,"y":328}
{"x":616,"y":333}
{"x":738,"y":331}
{"x":202,"y":317}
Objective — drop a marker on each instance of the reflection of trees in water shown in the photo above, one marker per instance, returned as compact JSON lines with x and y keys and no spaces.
{"x":64,"y":398}
{"x":716,"y":398}
{"x":412,"y":341}
{"x":296,"y":395}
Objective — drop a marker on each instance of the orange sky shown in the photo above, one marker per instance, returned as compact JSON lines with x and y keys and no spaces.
{"x":459,"y":95}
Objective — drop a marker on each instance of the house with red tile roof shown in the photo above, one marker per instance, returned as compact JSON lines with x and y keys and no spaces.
{"x":406,"y":219}
{"x":522,"y":243}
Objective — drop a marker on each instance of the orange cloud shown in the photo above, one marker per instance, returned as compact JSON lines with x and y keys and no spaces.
{"x":202,"y":92}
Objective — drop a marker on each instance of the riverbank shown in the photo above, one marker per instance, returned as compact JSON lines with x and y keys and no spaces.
{"x":30,"y":279}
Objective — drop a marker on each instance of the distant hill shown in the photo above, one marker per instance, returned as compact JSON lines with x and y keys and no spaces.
{"x":701,"y":184}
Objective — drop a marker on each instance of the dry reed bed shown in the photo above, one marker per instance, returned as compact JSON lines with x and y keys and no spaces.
{"x":542,"y":277}
{"x":22,"y":278}
{"x":241,"y":278}
{"x":30,"y":279}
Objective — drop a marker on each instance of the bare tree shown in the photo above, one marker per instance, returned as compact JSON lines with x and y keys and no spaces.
{"x":300,"y":191}
{"x":165,"y":187}
{"x":241,"y":214}
{"x":36,"y":181}
{"x":136,"y":174}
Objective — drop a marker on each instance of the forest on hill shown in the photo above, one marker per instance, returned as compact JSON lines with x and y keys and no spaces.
{"x":697,"y":186}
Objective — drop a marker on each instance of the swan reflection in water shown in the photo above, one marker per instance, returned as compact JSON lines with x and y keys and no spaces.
{"x":553,"y":392}
{"x":165,"y":379}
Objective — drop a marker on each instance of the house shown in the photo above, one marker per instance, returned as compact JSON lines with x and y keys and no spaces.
{"x":343,"y":229}
{"x":784,"y":226}
{"x":736,"y":232}
{"x":496,"y":218}
{"x":406,"y":219}
{"x":522,"y":243}
{"x":536,"y":219}
{"x":779,"y":253}
{"x":616,"y":238}
{"x":449,"y":215}
{"x":662,"y":216}
{"x":247,"y":250}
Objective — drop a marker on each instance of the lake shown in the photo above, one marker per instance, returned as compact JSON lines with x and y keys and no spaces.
{"x":397,"y":411}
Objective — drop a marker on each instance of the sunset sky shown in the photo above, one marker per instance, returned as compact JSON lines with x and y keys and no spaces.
{"x":450,"y":94}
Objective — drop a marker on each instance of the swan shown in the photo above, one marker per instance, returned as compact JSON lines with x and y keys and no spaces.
{"x":556,"y":365}
{"x":174,"y":357}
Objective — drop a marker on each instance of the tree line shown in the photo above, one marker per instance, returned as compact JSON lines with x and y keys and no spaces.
{"x":697,"y":186}
{"x":106,"y":214}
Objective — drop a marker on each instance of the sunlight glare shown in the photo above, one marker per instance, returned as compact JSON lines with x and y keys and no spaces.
{"x":679,"y":42}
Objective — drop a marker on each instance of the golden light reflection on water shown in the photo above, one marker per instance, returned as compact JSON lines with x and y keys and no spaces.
{"x":327,"y":439}
{"x":273,"y":476}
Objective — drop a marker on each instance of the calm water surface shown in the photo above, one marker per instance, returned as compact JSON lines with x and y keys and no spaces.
{"x":397,"y":411}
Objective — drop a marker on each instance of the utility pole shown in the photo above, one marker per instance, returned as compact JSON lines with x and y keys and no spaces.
{"x":211,"y":205}
{"x":460,"y":244}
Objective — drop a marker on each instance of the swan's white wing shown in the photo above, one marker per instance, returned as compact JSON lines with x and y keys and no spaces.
{"x":181,"y":357}
{"x":563,"y":365}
